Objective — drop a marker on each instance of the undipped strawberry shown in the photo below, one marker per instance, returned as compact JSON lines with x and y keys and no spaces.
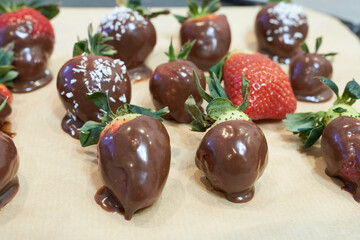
{"x":271,"y":96}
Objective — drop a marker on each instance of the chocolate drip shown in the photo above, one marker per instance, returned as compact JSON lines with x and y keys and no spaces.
{"x":171,"y":84}
{"x":233,"y":155}
{"x":30,"y":58}
{"x":340,"y":146}
{"x":303,"y":70}
{"x":87,"y":74}
{"x":134,"y":162}
{"x":280,"y":29}
{"x":213,"y":38}
{"x":9,"y":165}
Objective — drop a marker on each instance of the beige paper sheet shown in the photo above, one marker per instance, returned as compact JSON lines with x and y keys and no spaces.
{"x":294,"y":199}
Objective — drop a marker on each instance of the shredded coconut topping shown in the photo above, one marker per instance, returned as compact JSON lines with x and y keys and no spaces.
{"x":116,"y":20}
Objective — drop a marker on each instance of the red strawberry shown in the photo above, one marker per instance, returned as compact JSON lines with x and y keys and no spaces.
{"x":271,"y":96}
{"x":5,"y":92}
{"x":211,"y":32}
{"x":32,"y":35}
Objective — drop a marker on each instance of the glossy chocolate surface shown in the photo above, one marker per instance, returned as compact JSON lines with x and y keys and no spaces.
{"x":233,"y":155}
{"x":5,"y":112}
{"x":171,"y":84}
{"x":303,"y":70}
{"x":134,"y":162}
{"x":134,"y":35}
{"x":88,"y":74}
{"x":9,"y":165}
{"x":340,"y":146}
{"x":213,"y":38}
{"x":30,"y":58}
{"x":280,"y":28}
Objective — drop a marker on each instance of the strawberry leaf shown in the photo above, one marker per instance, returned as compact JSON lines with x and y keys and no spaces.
{"x":90,"y":133}
{"x":129,"y":108}
{"x":3,"y":104}
{"x":201,"y":122}
{"x":180,"y":19}
{"x":304,"y":47}
{"x":215,"y":88}
{"x":245,"y":90}
{"x":195,"y":11}
{"x":136,"y":6}
{"x":351,"y":92}
{"x":7,"y":74}
{"x":171,"y":53}
{"x":318,"y":44}
{"x":101,"y":100}
{"x":217,"y":69}
{"x":330,"y":84}
{"x":185,"y":50}
{"x":218,"y":106}
{"x":201,"y":91}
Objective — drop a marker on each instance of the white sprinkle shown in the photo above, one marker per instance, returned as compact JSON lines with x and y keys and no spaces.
{"x":289,"y":14}
{"x":298,"y":35}
{"x":73,"y":81}
{"x":69,"y":95}
{"x":62,"y":93}
{"x":113,"y":88}
{"x":274,"y":21}
{"x":287,"y":39}
{"x":268,"y":32}
{"x":112,"y":99}
{"x":123,"y":98}
{"x":316,"y":65}
{"x":72,"y":132}
{"x":269,"y":39}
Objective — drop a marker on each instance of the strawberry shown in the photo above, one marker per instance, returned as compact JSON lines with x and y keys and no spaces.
{"x":133,"y":155}
{"x":173,"y":82}
{"x":134,"y":36}
{"x":271,"y":96}
{"x":310,"y":126}
{"x":30,"y":31}
{"x":233,"y":153}
{"x":9,"y":165}
{"x":211,"y":32}
{"x":5,"y":92}
{"x":91,"y":70}
{"x":303,"y":70}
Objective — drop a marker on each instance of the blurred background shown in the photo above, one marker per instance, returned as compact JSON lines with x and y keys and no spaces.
{"x":347,"y":11}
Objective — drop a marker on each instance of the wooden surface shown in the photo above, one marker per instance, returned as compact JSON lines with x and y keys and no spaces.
{"x":294,"y":198}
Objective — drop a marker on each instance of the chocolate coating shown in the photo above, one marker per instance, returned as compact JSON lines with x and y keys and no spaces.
{"x":340,"y":146}
{"x":31,"y":55}
{"x":9,"y":165}
{"x":134,"y":35}
{"x":280,"y":29}
{"x":171,"y":84}
{"x":303,"y":70}
{"x":213,"y":38}
{"x":5,"y":112}
{"x":88,"y":74}
{"x":233,"y":155}
{"x":134,"y":162}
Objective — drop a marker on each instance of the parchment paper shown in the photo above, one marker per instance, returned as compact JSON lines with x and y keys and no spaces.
{"x":294,"y":198}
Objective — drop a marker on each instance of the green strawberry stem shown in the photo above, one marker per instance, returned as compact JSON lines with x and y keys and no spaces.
{"x":7,"y":74}
{"x":183,"y":53}
{"x":305,"y":48}
{"x":220,"y":108}
{"x":207,"y":7}
{"x":310,"y":126}
{"x":94,"y":45}
{"x":136,"y":6}
{"x":91,"y":130}
{"x":48,"y":10}
{"x":3,"y":104}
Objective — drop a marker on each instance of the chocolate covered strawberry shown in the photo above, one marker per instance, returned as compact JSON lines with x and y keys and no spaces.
{"x":27,"y":26}
{"x":340,"y":131}
{"x":210,"y":30}
{"x":9,"y":165}
{"x":233,"y":153}
{"x":280,"y":28}
{"x":87,"y":72}
{"x":304,"y":68}
{"x":133,"y":155}
{"x":271,"y":96}
{"x":311,"y":125}
{"x":134,"y":36}
{"x":173,"y":82}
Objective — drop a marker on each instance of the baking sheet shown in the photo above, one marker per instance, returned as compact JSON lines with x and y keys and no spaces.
{"x":294,"y":199}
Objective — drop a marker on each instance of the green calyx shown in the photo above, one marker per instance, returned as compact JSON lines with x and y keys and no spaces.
{"x":7,"y":72}
{"x":305,"y":48}
{"x":94,"y":45}
{"x":136,"y":6}
{"x":310,"y":126}
{"x":48,"y":10}
{"x":277,"y":1}
{"x":207,"y":7}
{"x":3,"y":104}
{"x":183,"y":53}
{"x":220,"y":108}
{"x":91,"y":130}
